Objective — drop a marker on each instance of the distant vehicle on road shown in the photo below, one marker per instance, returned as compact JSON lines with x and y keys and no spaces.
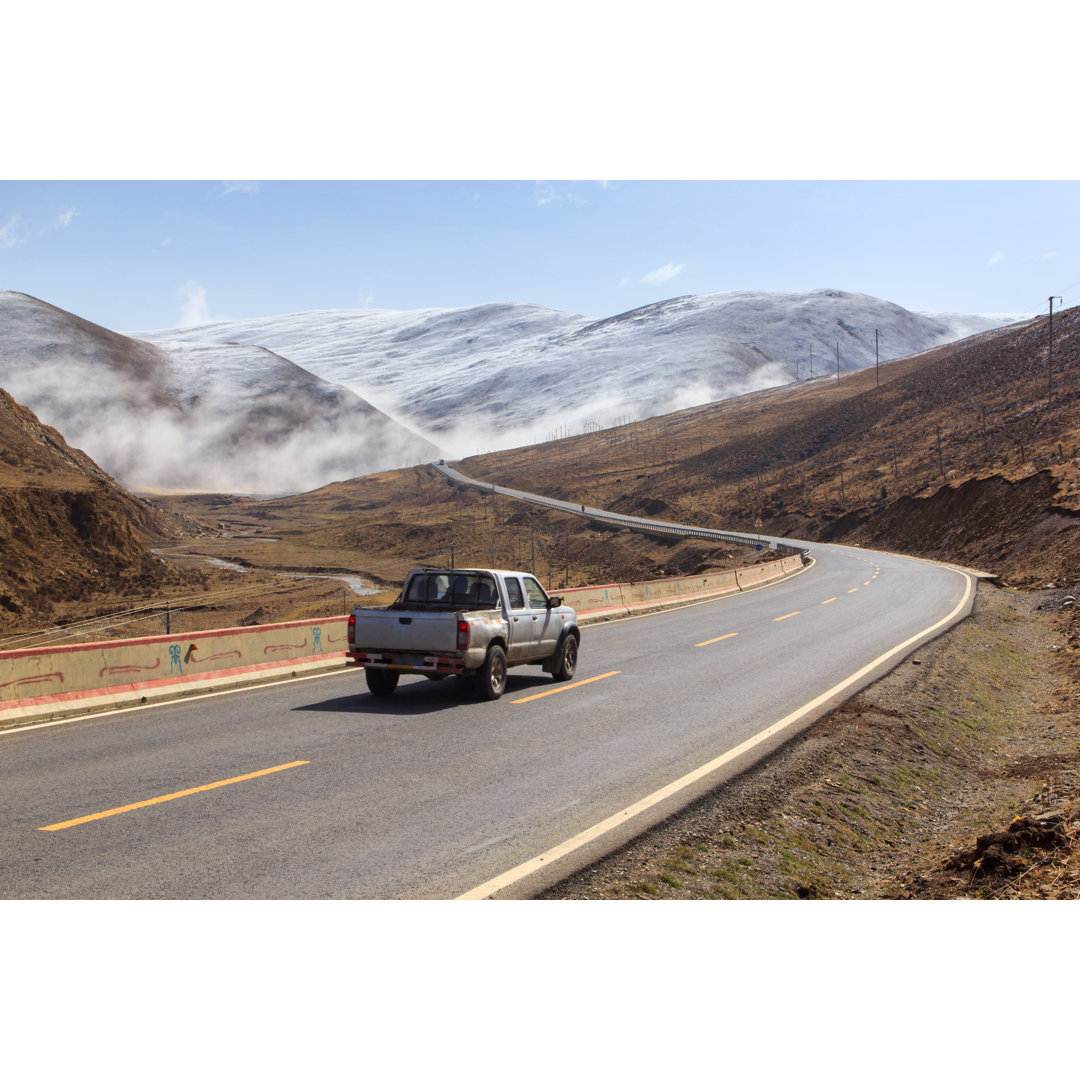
{"x":474,"y":623}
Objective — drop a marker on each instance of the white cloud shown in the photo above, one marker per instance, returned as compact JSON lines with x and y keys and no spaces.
{"x":546,"y":192}
{"x":247,"y":187}
{"x":193,"y":306}
{"x":998,"y":256}
{"x":13,"y":232}
{"x":61,"y":221}
{"x":662,"y":274}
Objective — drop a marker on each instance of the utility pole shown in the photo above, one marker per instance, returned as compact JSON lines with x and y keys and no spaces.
{"x":811,"y":359}
{"x":1050,"y":397}
{"x":837,"y":363}
{"x":877,"y":370}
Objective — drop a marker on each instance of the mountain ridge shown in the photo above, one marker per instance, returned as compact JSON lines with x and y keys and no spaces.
{"x":508,"y":373}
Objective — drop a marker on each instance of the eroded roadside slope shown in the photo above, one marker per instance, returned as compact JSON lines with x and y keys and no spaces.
{"x":907,"y":791}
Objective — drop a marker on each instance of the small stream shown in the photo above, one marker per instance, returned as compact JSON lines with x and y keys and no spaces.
{"x":356,"y":584}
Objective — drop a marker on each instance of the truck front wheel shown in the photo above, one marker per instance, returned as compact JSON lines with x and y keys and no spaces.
{"x":567,"y":659}
{"x":491,"y":678}
{"x":380,"y":681}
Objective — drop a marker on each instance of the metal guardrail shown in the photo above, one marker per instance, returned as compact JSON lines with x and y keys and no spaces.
{"x":644,"y":525}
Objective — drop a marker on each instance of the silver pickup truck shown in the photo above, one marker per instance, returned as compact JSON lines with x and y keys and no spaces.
{"x":476,"y":623}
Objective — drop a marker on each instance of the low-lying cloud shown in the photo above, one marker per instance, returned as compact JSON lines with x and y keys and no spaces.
{"x":194,"y":308}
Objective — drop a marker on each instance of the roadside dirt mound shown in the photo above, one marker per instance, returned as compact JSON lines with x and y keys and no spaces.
{"x":1001,"y":857}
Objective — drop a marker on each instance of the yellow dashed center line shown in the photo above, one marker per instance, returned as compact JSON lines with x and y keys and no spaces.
{"x":568,"y":686}
{"x":781,"y":618}
{"x":711,"y":641}
{"x":829,"y":601}
{"x":167,"y":798}
{"x":856,"y":589}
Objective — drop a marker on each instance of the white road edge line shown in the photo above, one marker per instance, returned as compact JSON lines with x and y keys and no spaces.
{"x":510,"y":877}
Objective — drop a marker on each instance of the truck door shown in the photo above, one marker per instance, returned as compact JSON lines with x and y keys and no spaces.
{"x":522,"y":621}
{"x":549,"y":626}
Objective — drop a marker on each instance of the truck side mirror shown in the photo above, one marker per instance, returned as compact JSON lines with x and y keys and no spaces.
{"x":554,"y":601}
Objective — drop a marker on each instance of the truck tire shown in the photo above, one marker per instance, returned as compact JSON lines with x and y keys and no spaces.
{"x":491,"y":678}
{"x":568,"y":651}
{"x":380,"y":681}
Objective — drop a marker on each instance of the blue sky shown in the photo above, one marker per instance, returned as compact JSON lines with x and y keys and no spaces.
{"x":149,"y":254}
{"x":922,"y":155}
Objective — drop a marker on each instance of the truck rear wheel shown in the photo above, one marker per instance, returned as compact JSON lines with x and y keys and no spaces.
{"x":567,"y":659}
{"x":380,"y":681}
{"x":491,"y":678}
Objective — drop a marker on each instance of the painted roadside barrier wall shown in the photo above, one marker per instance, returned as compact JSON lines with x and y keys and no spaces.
{"x":40,"y":683}
{"x":36,"y":682}
{"x":597,"y":602}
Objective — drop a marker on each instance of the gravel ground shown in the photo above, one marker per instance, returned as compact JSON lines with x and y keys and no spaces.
{"x":909,"y":790}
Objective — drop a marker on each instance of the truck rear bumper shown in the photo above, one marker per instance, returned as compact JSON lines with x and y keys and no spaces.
{"x":421,"y":665}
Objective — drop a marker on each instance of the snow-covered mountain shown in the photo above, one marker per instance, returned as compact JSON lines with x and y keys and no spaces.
{"x":293,"y":401}
{"x":188,"y":416}
{"x":505,"y":374}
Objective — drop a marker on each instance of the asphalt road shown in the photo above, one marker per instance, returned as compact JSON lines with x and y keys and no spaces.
{"x":314,"y":788}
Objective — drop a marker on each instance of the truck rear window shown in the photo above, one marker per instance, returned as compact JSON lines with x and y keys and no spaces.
{"x":454,"y":590}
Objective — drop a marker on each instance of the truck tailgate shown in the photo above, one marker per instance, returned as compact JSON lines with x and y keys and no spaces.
{"x":406,"y":631}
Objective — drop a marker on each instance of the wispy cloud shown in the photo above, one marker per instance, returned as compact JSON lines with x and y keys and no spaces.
{"x":61,"y":221}
{"x":13,"y":232}
{"x":246,"y":187}
{"x":662,"y":274}
{"x":998,"y":256}
{"x":1044,"y":257}
{"x":547,"y":193}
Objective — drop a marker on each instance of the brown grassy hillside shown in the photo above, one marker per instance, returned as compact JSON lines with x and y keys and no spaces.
{"x":958,"y":453}
{"x":68,"y":533}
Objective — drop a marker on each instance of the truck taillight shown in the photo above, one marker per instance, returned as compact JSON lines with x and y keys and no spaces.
{"x":462,"y":634}
{"x":352,"y":629}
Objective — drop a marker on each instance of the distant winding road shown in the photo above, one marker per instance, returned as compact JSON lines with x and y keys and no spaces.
{"x":315,"y":788}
